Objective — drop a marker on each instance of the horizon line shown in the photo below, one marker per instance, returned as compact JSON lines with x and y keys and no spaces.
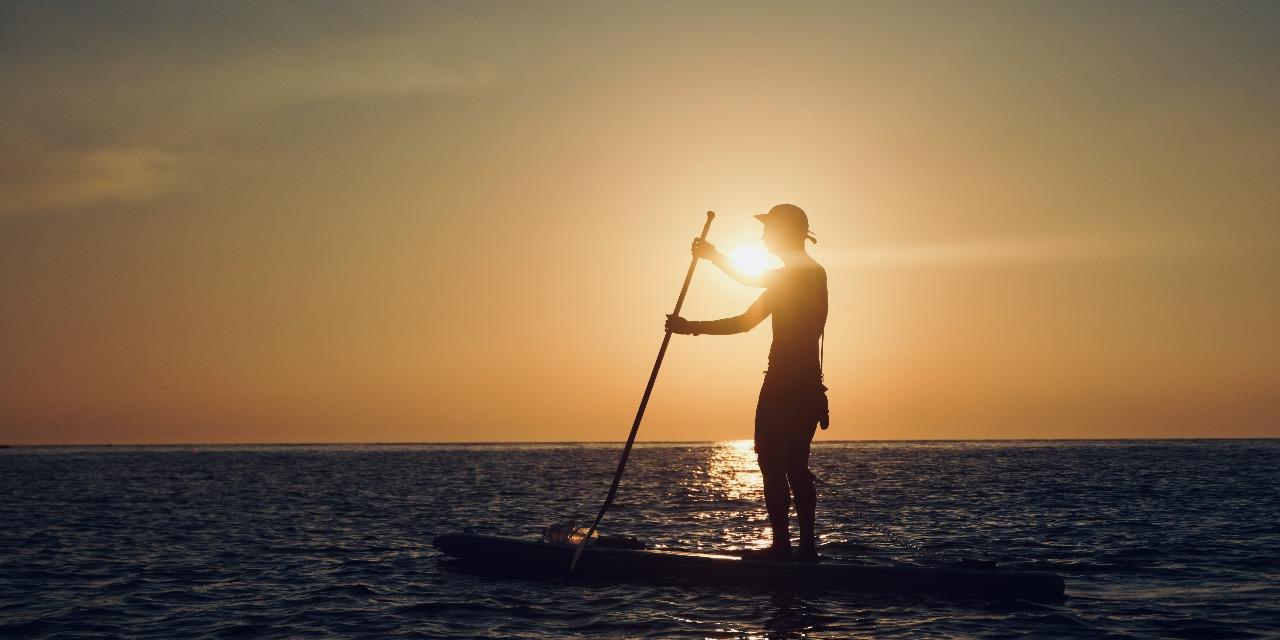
{"x":619,"y":442}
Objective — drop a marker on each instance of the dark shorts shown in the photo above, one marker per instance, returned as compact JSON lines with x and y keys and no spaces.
{"x":785,"y":423}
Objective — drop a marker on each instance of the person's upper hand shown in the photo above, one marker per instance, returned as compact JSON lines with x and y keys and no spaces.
{"x":678,"y":325}
{"x":703,"y":249}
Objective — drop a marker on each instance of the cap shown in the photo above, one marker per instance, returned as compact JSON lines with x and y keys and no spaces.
{"x":790,"y":217}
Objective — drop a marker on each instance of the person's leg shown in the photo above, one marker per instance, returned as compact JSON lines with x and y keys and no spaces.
{"x":773,"y":472}
{"x":777,"y":500}
{"x":800,"y":480}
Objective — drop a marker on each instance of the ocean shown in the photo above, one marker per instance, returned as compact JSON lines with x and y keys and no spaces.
{"x":1155,"y":539}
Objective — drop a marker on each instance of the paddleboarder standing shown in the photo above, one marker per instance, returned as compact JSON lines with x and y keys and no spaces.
{"x":792,"y":398}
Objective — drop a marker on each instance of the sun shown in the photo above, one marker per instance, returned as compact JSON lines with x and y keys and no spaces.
{"x":750,"y":259}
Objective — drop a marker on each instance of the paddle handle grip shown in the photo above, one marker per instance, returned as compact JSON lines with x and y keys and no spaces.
{"x":693,"y":263}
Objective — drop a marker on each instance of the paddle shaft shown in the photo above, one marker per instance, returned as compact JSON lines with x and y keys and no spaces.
{"x":644,"y":402}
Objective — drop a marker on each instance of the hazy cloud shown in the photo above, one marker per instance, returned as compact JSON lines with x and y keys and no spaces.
{"x":38,"y":177}
{"x":1021,"y":251}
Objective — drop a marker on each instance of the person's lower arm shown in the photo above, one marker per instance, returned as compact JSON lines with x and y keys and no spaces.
{"x":722,"y":262}
{"x":722,"y":327}
{"x":726,"y":265}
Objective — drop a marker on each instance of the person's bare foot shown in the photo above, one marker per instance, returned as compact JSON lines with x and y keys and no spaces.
{"x":768,"y":554}
{"x":807,"y":554}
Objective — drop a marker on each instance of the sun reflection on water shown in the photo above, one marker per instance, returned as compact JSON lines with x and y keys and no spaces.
{"x":727,"y":495}
{"x":732,"y":471}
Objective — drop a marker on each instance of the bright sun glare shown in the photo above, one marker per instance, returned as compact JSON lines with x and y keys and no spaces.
{"x":750,"y":259}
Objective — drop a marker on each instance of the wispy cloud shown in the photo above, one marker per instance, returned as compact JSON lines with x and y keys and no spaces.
{"x":37,"y":177}
{"x":1044,"y":250}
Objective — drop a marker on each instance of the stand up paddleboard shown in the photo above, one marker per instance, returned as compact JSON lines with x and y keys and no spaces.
{"x":493,"y":554}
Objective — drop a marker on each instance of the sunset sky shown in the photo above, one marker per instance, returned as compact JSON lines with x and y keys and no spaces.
{"x":312,"y":222}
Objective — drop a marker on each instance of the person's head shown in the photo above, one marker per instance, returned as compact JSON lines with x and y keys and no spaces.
{"x":786,"y":227}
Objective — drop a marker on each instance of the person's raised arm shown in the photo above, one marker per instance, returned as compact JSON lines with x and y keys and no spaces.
{"x":707,"y":251}
{"x":754,"y":315}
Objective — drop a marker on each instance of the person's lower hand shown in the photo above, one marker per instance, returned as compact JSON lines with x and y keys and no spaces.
{"x":703,"y":249}
{"x":678,"y":325}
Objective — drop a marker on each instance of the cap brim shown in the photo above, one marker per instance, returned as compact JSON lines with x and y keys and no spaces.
{"x":763,"y":217}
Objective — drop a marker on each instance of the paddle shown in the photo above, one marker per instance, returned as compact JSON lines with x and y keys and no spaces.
{"x":644,"y":401}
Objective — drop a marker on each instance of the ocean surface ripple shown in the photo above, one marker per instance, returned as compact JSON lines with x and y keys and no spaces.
{"x":1156,"y":539}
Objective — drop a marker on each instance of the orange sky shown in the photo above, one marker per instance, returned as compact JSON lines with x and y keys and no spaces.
{"x":465,"y":222}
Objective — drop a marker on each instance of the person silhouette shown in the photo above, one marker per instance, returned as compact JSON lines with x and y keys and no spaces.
{"x":792,"y":398}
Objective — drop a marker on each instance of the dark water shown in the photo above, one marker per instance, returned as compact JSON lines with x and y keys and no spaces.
{"x":1155,"y":539}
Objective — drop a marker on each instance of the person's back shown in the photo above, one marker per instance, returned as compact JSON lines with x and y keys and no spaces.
{"x":798,"y":300}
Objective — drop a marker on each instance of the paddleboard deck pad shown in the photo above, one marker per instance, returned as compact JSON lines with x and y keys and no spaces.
{"x":511,"y":556}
